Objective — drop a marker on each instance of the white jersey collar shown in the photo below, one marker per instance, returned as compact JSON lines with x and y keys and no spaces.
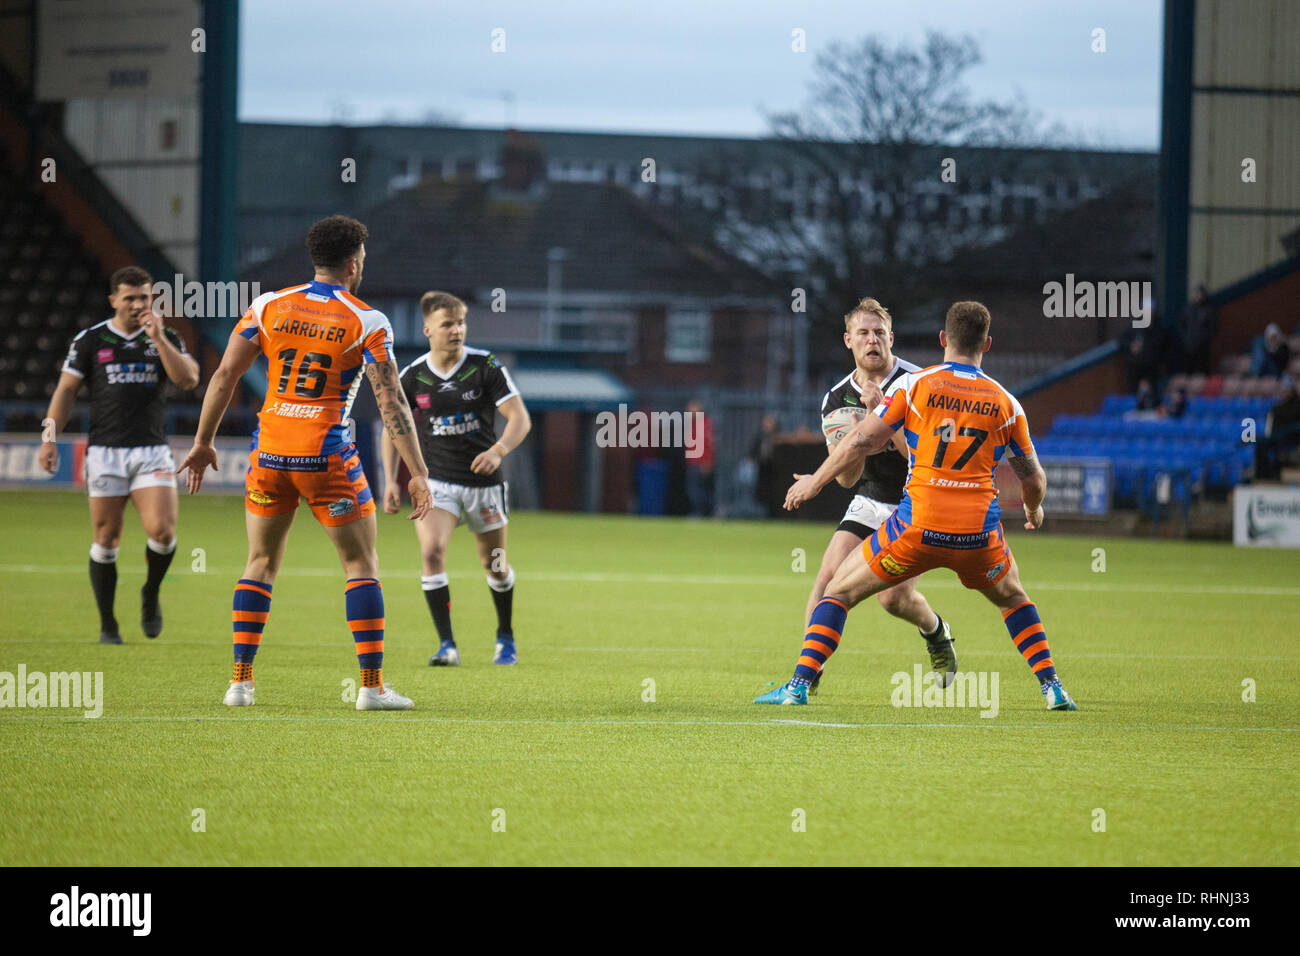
{"x":112,"y":324}
{"x":853,"y":376}
{"x":453,"y":370}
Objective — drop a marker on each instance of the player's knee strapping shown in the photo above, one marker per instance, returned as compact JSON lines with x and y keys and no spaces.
{"x":1026,"y":629}
{"x":251,"y":608}
{"x":822,"y":637}
{"x":365,"y":608}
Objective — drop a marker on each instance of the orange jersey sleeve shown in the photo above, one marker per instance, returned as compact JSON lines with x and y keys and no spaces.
{"x":894,"y":407}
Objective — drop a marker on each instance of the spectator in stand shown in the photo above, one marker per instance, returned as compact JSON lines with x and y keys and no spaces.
{"x":1144,"y":354}
{"x":1146,"y":396}
{"x":1175,"y":402}
{"x":1199,"y":327}
{"x":699,"y":470}
{"x":1270,"y":354}
{"x":1281,"y":428}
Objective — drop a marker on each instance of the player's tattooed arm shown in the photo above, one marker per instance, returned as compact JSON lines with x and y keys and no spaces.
{"x":393,"y":406}
{"x":1025,"y":466}
{"x":868,"y":444}
{"x":400,"y":429}
{"x":868,"y":436}
{"x":1033,"y":482}
{"x":396,"y":413}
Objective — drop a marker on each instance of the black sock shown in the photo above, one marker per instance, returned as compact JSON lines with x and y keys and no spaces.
{"x":938,"y":629}
{"x":103,"y":579}
{"x":440,"y":607}
{"x":504,"y":600}
{"x":158,"y":565}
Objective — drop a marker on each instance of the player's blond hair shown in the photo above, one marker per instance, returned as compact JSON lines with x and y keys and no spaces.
{"x":869,"y":306}
{"x":431,"y":302}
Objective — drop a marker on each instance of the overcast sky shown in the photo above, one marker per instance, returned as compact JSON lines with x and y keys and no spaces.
{"x":702,"y":67}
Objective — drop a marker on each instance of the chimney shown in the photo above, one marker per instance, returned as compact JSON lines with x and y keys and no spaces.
{"x":521,"y":163}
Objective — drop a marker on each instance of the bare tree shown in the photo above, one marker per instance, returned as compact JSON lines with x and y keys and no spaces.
{"x":879,"y":122}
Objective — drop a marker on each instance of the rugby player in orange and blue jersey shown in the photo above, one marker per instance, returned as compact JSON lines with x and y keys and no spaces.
{"x":958,"y":424}
{"x":317,"y":337}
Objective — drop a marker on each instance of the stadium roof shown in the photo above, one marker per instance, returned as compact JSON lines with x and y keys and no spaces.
{"x":463,"y":235}
{"x":570,"y":388}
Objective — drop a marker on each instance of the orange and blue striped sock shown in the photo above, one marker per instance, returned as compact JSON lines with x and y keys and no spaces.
{"x":365,"y":608}
{"x":252,"y":606}
{"x":1031,"y":640}
{"x":820,"y":639}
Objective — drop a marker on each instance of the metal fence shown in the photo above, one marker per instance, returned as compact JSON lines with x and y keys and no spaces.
{"x":737,"y":416}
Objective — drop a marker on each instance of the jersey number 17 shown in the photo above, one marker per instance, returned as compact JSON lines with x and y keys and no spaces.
{"x":944,"y":432}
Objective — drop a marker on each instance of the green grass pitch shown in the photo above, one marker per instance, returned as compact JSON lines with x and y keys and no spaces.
{"x":567,"y":753}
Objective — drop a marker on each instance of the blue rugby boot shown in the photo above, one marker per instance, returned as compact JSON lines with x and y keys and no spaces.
{"x":447,"y":656}
{"x":505,"y":649}
{"x":1057,"y":698}
{"x":785,"y":695}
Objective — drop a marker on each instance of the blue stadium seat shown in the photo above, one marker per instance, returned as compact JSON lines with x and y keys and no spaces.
{"x":1229,"y":431}
{"x":1118,"y":404}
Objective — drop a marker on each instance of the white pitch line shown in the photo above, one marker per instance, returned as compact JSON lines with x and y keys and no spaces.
{"x":889,"y":653}
{"x":1064,"y":724}
{"x":607,"y":577}
{"x":668,"y":649}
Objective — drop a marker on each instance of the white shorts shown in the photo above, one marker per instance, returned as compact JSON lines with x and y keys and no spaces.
{"x":867,"y":514}
{"x":483,"y":509}
{"x":116,"y":472}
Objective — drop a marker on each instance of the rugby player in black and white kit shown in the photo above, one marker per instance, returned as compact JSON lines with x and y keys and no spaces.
{"x":459,"y":396}
{"x":878,"y":487}
{"x":125,"y":362}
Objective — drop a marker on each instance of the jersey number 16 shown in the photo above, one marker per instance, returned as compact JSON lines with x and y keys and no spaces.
{"x":311,"y":381}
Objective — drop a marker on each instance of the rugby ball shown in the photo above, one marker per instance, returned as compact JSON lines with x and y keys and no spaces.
{"x":840,"y":422}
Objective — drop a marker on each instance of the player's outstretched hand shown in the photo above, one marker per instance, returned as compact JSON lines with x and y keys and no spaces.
{"x":199,"y":460}
{"x":392,"y":498}
{"x":871,"y":396}
{"x":421,"y":498}
{"x":1034,"y":519}
{"x":802,"y":490}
